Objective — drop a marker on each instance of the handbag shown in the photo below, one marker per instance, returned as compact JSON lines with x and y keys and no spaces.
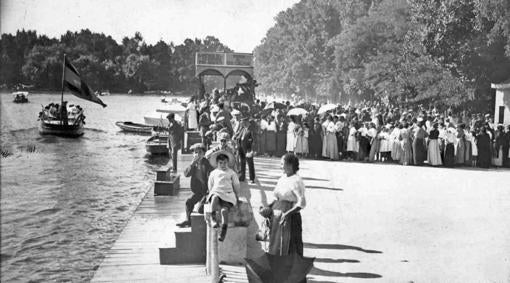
{"x":263,"y":233}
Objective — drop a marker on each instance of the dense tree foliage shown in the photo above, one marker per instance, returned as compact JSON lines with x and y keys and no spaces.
{"x":414,"y":51}
{"x":31,"y":59}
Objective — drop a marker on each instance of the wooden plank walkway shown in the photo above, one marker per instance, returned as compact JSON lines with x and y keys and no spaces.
{"x":135,"y":255}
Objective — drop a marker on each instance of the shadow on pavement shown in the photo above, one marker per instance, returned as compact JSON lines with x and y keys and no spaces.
{"x":335,"y":260}
{"x":322,"y":272}
{"x":339,"y":247}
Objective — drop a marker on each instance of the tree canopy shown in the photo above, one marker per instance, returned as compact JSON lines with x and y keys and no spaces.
{"x":415,"y":51}
{"x":33,"y":59}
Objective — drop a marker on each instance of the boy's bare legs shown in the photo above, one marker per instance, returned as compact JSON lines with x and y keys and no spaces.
{"x":224,"y":224}
{"x":215,"y":203}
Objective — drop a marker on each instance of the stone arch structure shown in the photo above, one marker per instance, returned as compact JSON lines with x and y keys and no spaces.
{"x":224,"y":65}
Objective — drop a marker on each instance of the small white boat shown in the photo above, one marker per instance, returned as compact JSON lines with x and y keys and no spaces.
{"x":129,"y":126}
{"x":157,"y":145}
{"x":158,"y":117}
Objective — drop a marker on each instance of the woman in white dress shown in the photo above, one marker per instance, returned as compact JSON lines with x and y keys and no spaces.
{"x":352,"y":144}
{"x":331,"y":150}
{"x":192,"y":115}
{"x":291,"y":136}
{"x":286,"y":236}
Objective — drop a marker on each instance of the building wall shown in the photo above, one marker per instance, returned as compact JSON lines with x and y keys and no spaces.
{"x":502,"y":100}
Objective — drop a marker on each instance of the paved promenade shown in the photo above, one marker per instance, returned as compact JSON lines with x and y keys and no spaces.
{"x":390,"y":223}
{"x":363,"y":222}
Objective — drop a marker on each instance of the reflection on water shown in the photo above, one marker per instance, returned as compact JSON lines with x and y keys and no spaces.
{"x":64,"y":203}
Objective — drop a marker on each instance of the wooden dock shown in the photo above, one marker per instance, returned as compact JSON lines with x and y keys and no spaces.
{"x":135,"y":254}
{"x":134,"y":257}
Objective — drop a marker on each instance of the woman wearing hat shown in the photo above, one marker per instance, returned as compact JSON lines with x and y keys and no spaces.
{"x":433,"y":152}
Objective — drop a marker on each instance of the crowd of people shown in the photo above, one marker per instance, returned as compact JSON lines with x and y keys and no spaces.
{"x":64,"y":112}
{"x":367,"y":131}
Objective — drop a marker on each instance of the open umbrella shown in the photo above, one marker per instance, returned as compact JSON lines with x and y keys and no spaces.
{"x":326,"y":107}
{"x":275,"y":105}
{"x":296,"y":112}
{"x":278,"y":269}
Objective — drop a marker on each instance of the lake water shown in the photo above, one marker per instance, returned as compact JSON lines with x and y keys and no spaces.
{"x":64,"y":205}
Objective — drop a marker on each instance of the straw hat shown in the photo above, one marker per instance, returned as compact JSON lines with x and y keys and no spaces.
{"x":231,"y":158}
{"x":197,"y":146}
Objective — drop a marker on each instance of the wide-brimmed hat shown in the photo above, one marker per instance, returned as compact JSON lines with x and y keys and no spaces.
{"x":197,"y":146}
{"x":231,"y":158}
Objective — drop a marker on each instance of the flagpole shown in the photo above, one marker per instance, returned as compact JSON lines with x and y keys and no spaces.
{"x":63,"y":76}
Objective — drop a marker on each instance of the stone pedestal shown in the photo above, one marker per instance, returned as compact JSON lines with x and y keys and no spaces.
{"x":233,"y":249}
{"x":167,"y":188}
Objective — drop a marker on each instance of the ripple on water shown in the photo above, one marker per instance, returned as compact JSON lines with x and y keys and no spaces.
{"x":64,"y":205}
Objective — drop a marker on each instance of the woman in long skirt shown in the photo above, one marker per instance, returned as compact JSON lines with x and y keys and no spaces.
{"x":291,"y":135}
{"x":474,"y":149}
{"x":483,"y":145}
{"x":469,"y":151}
{"x":281,"y":138}
{"x":331,"y":150}
{"x":449,"y":152}
{"x":375,"y":143}
{"x":315,"y":139}
{"x":498,"y":148}
{"x":285,"y":235}
{"x":271,"y":136}
{"x":364,"y":143}
{"x":460,"y":153}
{"x":386,"y":146}
{"x":352,"y":143}
{"x":419,"y":146}
{"x":301,"y":147}
{"x":396,"y":147}
{"x":433,"y":152}
{"x":406,"y":157}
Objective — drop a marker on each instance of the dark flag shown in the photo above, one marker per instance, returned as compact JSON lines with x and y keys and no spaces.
{"x":74,"y":83}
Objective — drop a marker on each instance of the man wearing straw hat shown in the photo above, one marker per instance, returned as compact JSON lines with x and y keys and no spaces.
{"x":199,"y":171}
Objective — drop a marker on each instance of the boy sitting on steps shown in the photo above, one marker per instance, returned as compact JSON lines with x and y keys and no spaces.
{"x":223,"y":190}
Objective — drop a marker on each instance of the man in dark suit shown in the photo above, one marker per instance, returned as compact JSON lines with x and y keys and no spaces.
{"x":175,"y":137}
{"x":244,"y":139}
{"x":199,"y":171}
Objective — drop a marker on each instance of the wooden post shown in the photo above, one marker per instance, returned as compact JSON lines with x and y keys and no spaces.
{"x":212,"y":258}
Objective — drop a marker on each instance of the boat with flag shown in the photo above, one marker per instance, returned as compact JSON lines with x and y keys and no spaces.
{"x":63,"y":119}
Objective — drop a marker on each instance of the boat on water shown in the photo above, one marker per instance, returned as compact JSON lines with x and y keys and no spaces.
{"x":129,"y":126}
{"x":74,"y":127}
{"x":58,"y":119}
{"x":157,"y":145}
{"x":20,"y":96}
{"x":158,"y":117}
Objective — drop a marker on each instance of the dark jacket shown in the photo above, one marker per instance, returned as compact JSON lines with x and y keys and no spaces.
{"x":199,"y":173}
{"x":175,"y":134}
{"x":244,"y":138}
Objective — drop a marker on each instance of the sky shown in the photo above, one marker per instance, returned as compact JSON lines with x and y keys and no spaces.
{"x":240,"y":24}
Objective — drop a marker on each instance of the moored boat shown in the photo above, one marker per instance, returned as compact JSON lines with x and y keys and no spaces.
{"x":158,"y":117}
{"x":129,"y":126}
{"x":157,"y":145}
{"x":20,"y":96}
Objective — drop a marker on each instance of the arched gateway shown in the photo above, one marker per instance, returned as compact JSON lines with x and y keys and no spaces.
{"x":225,"y":65}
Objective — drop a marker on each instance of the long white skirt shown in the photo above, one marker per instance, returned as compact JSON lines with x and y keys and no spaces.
{"x":291,"y":141}
{"x":433,"y":153}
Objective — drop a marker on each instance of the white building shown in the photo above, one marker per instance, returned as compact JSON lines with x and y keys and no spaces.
{"x":502,"y":105}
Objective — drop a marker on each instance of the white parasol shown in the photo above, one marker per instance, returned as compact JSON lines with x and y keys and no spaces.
{"x":296,"y":112}
{"x":326,"y":107}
